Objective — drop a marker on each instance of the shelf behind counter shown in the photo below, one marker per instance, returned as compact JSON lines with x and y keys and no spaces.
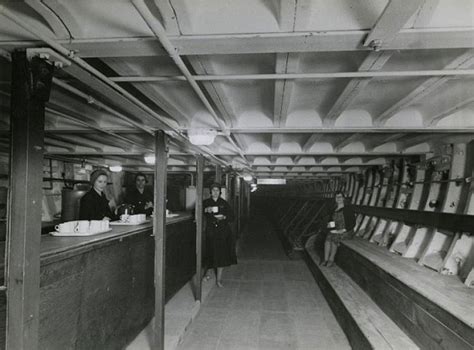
{"x":97,"y":292}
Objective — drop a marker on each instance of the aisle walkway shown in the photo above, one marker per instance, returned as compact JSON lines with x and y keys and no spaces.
{"x":268,"y":302}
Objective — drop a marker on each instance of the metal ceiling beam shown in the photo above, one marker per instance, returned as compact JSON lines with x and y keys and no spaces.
{"x":338,"y":145}
{"x":158,"y":30}
{"x":370,"y":143}
{"x":276,"y":142}
{"x":82,"y":71}
{"x":431,"y":120}
{"x":409,"y":141}
{"x":295,"y":172}
{"x":54,"y":22}
{"x":349,"y":40}
{"x":99,"y":82}
{"x":85,"y":121}
{"x":285,"y":63}
{"x":267,"y":154}
{"x":168,"y":14}
{"x":251,"y":131}
{"x":466,"y":60}
{"x":64,"y":145}
{"x":310,"y":142}
{"x":156,"y":27}
{"x":425,"y":13}
{"x":345,"y":130}
{"x":67,"y":114}
{"x":391,"y":21}
{"x":92,"y":101}
{"x":65,"y":141}
{"x":345,"y":165}
{"x":215,"y":91}
{"x":150,"y":91}
{"x":64,"y":15}
{"x":297,"y":76}
{"x":373,"y":62}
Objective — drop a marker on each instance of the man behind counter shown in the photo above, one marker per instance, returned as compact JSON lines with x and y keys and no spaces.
{"x":139,"y":197}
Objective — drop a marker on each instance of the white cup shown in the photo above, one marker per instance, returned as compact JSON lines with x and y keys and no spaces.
{"x":96,"y":226}
{"x":105,"y":225}
{"x":82,"y":226}
{"x":134,"y":219}
{"x":331,"y":224}
{"x":124,"y":217}
{"x":215,"y":209}
{"x":68,"y":226}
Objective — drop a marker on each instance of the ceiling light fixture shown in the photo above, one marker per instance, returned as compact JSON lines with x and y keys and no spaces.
{"x":202,"y":137}
{"x":271,"y":181}
{"x":248,"y":177}
{"x":115,"y":168}
{"x":149,"y":158}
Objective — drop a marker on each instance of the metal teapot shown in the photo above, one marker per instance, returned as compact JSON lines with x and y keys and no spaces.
{"x":125,"y":209}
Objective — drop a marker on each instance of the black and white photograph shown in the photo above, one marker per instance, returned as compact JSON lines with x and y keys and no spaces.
{"x":236,"y":174}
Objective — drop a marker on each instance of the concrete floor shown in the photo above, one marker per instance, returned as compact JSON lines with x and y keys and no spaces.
{"x":268,"y":302}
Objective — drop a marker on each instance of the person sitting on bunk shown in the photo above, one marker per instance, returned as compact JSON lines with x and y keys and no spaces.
{"x":94,"y":205}
{"x":219,"y":239}
{"x":140,"y":197}
{"x":341,"y":226}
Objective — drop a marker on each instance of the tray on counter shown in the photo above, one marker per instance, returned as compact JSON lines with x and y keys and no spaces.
{"x":121,"y":223}
{"x":77,"y":234}
{"x":173,"y":215}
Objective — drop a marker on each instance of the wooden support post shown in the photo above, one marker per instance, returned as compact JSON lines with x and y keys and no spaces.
{"x":248,"y":203}
{"x":159,"y":230}
{"x":31,"y":84}
{"x":218,"y":174}
{"x":228,"y":187}
{"x":237,"y":201}
{"x":199,"y":225}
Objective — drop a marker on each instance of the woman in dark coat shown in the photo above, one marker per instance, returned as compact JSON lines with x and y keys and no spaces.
{"x":219,"y":240}
{"x":140,"y":197}
{"x":343,"y":223}
{"x":94,"y":204}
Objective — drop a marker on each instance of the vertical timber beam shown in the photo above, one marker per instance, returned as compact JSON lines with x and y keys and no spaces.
{"x":248,"y":203}
{"x":237,"y":205}
{"x":218,"y":174}
{"x":199,"y":224}
{"x":228,"y":187}
{"x":159,"y":230}
{"x":31,"y":85}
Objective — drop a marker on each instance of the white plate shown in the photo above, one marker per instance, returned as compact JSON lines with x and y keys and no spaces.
{"x":121,"y":223}
{"x":219,"y":216}
{"x":77,"y":234}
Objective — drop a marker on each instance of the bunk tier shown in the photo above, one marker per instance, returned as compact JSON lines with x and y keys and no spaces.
{"x":406,"y":278}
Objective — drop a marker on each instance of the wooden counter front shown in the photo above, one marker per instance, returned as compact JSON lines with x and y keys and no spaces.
{"x":97,"y":292}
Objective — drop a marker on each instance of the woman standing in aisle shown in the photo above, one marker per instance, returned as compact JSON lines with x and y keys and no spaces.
{"x":219,"y":241}
{"x":341,"y":227}
{"x":94,"y":204}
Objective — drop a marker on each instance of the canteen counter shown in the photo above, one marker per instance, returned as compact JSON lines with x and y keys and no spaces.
{"x":97,"y":292}
{"x":53,"y":247}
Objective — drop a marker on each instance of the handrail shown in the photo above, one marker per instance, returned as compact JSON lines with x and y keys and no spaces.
{"x":447,"y":221}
